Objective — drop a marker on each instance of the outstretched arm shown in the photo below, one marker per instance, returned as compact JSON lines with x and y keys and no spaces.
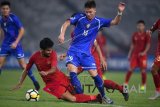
{"x":117,"y":19}
{"x":63,"y":31}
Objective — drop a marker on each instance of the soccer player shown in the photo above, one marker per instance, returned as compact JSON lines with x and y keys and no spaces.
{"x":57,"y":83}
{"x":12,"y":30}
{"x":86,"y":29}
{"x":138,"y":53}
{"x":156,"y":65}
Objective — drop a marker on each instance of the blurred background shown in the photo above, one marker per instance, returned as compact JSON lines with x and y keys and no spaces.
{"x":43,"y":18}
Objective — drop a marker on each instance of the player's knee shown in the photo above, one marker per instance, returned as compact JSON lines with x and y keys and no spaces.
{"x":154,"y":69}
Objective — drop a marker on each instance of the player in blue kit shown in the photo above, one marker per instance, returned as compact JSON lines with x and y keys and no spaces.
{"x":87,"y":26}
{"x":12,"y":30}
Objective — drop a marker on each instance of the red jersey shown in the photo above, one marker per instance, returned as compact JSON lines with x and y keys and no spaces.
{"x":101,"y":40}
{"x":140,"y":41}
{"x":45,"y":64}
{"x":156,"y":26}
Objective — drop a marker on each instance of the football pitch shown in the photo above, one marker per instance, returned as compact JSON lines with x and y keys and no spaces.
{"x":8,"y":98}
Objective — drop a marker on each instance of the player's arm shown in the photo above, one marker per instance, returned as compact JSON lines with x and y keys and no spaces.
{"x":117,"y":19}
{"x":63,"y":31}
{"x":130,"y":51}
{"x":155,"y":26}
{"x":24,"y":74}
{"x":102,"y":59}
{"x":1,"y":34}
{"x":20,"y":29}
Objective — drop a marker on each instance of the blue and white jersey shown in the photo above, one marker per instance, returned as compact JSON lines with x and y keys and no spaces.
{"x":85,"y":31}
{"x":11,"y":26}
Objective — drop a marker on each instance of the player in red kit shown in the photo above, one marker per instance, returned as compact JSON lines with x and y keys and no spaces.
{"x":156,"y":65}
{"x":138,"y":53}
{"x":56,"y":82}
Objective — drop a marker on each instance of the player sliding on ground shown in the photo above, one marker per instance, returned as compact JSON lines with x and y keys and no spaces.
{"x":86,"y":29}
{"x":137,"y":56}
{"x":12,"y":30}
{"x":57,"y":83}
{"x":156,"y":65}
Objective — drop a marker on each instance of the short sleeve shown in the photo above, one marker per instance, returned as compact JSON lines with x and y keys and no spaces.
{"x":30,"y":63}
{"x":105,"y":22}
{"x":75,"y":17}
{"x":54,"y":59}
{"x":17,"y":22}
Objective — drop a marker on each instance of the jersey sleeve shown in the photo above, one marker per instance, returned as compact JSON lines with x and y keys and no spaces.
{"x":17,"y":22}
{"x":75,"y":17}
{"x":155,"y":25}
{"x":105,"y":22}
{"x":30,"y":63}
{"x":54,"y":60}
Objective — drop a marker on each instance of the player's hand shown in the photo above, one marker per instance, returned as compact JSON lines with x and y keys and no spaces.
{"x":121,"y":7}
{"x":61,"y":38}
{"x":142,"y":54}
{"x":104,"y":65}
{"x":43,"y":73}
{"x":18,"y":86}
{"x":14,"y":45}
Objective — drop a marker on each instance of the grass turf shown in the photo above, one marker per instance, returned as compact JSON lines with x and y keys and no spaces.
{"x":17,"y":98}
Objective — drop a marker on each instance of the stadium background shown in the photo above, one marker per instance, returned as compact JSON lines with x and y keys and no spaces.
{"x":43,"y":18}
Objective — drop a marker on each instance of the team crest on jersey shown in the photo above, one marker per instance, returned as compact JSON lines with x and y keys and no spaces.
{"x":88,"y":25}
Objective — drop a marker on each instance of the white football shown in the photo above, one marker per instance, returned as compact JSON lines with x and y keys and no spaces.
{"x":32,"y":95}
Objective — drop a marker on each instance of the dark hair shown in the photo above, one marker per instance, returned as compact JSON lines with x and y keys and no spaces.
{"x":46,"y":43}
{"x":141,"y":21}
{"x":90,"y":4}
{"x":3,"y":3}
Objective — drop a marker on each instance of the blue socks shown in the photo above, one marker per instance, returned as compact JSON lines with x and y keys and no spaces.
{"x":99,"y":83}
{"x":31,"y":76}
{"x":76,"y":83}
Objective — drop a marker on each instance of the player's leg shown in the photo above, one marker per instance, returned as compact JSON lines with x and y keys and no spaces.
{"x":78,"y":98}
{"x":156,"y":79}
{"x":22,"y":64}
{"x":2,"y":61}
{"x":143,"y":67}
{"x":99,"y":84}
{"x":3,"y":54}
{"x":72,"y":62}
{"x":74,"y":78}
{"x":133,"y":64}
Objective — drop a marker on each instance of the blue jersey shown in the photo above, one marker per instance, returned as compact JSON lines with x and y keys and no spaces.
{"x":85,"y":32}
{"x":10,"y":25}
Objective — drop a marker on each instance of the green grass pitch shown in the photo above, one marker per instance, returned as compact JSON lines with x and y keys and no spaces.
{"x":8,"y":98}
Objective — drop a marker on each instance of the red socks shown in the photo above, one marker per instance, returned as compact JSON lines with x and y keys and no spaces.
{"x":83,"y":98}
{"x":129,"y":73}
{"x":144,"y":77}
{"x":112,"y":85}
{"x":156,"y":79}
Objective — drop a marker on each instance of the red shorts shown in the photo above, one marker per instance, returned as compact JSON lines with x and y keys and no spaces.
{"x":157,"y":60}
{"x":138,"y":61}
{"x":58,"y":89}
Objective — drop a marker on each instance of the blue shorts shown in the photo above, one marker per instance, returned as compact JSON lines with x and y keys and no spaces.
{"x":79,"y":59}
{"x":7,"y":50}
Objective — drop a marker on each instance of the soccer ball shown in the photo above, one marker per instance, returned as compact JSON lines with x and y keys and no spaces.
{"x":32,"y":95}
